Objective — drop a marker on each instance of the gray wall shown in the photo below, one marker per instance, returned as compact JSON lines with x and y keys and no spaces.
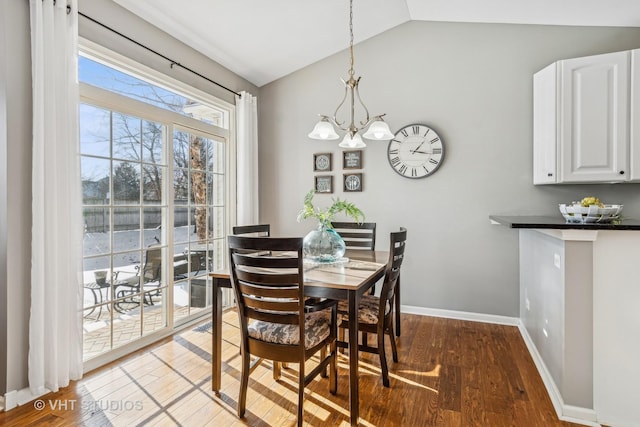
{"x":3,"y":199}
{"x":556,"y":306}
{"x":473,"y":84}
{"x":16,"y":175}
{"x":15,"y":167}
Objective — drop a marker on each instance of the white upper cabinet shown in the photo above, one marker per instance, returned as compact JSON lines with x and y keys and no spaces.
{"x":583,"y":131}
{"x":634,"y":134}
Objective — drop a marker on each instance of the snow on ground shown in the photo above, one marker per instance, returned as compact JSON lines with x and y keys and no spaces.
{"x":127,"y":246}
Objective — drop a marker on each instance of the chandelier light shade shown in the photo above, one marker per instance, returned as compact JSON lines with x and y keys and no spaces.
{"x":378,"y":129}
{"x":350,"y":141}
{"x":323,"y":130}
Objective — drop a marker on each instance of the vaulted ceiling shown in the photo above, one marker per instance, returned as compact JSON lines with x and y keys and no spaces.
{"x":263,"y":40}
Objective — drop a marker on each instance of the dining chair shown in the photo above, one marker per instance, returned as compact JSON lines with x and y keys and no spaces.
{"x":375,"y":314}
{"x":257,"y":230}
{"x":277,"y":321}
{"x":357,"y":235}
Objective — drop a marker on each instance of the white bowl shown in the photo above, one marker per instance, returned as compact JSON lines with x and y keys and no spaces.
{"x":575,"y":213}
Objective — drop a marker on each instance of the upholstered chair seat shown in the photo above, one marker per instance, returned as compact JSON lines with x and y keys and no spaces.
{"x":367,"y":310}
{"x":317,"y":328}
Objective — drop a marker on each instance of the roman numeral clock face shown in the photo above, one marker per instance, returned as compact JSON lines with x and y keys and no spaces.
{"x":416,"y":151}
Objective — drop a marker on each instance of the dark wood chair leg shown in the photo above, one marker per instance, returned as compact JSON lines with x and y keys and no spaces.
{"x":383,"y":357}
{"x":277,"y":370}
{"x":323,"y":354}
{"x":333,"y":369}
{"x":397,"y":308}
{"x":301,"y":395}
{"x":244,"y":383}
{"x":394,"y":348}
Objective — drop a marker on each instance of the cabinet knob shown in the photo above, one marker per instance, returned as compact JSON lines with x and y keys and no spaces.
{"x":621,"y":172}
{"x":549,"y":174}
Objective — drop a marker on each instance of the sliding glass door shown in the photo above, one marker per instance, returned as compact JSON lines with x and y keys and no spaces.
{"x":153,"y":166}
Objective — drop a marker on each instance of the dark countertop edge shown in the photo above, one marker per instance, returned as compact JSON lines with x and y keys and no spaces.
{"x":558,"y":223}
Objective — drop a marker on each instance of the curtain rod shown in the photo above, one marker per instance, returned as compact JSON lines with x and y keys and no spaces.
{"x":172,"y":62}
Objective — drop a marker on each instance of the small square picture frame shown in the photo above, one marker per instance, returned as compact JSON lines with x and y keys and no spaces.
{"x":322,"y":162}
{"x":352,"y":182}
{"x":352,"y":159}
{"x":323,"y":184}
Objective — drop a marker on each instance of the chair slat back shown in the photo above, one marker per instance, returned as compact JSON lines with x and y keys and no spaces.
{"x":256,"y":230}
{"x":397,"y":242}
{"x":267,"y":278}
{"x":152,"y":269}
{"x":357,"y":236}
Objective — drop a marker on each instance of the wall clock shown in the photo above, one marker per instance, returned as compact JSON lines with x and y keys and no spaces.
{"x":416,"y":151}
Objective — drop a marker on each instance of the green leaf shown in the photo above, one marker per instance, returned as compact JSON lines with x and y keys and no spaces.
{"x":327,"y":215}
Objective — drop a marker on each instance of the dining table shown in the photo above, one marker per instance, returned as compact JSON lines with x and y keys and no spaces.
{"x":347,"y":279}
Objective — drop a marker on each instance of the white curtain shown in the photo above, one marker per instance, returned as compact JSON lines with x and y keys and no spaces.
{"x":55,"y":325}
{"x":247,"y":153}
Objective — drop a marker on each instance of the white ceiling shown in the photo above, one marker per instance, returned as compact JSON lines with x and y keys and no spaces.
{"x":263,"y":40}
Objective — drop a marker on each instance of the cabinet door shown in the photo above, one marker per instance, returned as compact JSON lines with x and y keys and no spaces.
{"x":594,"y":118}
{"x":545,"y":107}
{"x":634,"y":136}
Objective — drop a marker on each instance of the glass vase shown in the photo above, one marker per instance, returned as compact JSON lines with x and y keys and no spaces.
{"x":323,"y":244}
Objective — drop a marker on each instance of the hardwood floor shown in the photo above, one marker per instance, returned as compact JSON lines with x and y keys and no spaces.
{"x":451,"y":373}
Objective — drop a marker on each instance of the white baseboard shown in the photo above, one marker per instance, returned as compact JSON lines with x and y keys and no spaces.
{"x":569,"y":413}
{"x":16,"y":398}
{"x":461,"y":315}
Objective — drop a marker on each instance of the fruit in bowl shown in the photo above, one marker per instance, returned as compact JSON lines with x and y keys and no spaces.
{"x":590,"y":201}
{"x":589,"y":210}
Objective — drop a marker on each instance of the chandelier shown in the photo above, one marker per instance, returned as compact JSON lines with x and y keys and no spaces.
{"x":378,"y":129}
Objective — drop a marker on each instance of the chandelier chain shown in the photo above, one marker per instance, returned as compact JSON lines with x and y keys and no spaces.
{"x":351,"y":39}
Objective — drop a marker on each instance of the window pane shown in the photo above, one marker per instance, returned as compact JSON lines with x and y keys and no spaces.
{"x":95,"y":135}
{"x":126,"y":264}
{"x":181,"y":224}
{"x":95,"y":180}
{"x":180,"y":149}
{"x":126,"y":222}
{"x":216,"y":223}
{"x":152,"y":183}
{"x":96,"y":231}
{"x":198,"y":152}
{"x":217,"y":157}
{"x":152,"y":226}
{"x":198,"y":187}
{"x":154,"y":317}
{"x":152,"y":138}
{"x":126,"y":137}
{"x":215,"y":189}
{"x":126,"y":183}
